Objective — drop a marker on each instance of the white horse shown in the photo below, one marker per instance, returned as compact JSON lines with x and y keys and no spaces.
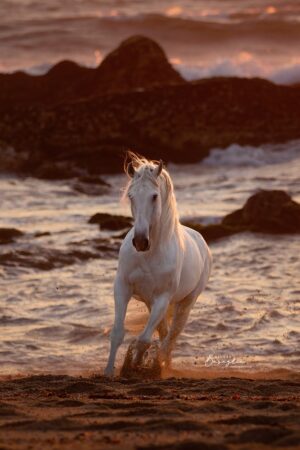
{"x":161,"y":262}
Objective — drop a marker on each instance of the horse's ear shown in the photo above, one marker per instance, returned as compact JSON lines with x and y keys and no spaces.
{"x":159,"y":168}
{"x":130,"y":170}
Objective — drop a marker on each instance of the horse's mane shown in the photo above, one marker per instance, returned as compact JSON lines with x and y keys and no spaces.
{"x":145,"y":168}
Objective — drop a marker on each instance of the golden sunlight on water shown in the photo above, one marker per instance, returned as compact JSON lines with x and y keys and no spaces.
{"x":59,"y":317}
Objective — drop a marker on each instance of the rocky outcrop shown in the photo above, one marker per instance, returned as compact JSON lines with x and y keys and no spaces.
{"x":138,"y":63}
{"x":265,"y":212}
{"x":77,"y":120}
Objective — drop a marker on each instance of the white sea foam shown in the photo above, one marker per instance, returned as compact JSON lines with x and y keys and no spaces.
{"x":237,"y":155}
{"x":289,"y":74}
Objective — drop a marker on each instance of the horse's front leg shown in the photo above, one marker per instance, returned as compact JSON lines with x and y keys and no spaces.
{"x":122,"y":294}
{"x":157,"y":314}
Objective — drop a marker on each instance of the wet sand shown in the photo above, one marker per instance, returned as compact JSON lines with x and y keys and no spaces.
{"x":65,"y":412}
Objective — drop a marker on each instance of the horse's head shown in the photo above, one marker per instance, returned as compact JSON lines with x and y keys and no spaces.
{"x":146,"y":204}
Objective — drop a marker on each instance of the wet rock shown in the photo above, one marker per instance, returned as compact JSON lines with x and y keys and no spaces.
{"x":44,"y":259}
{"x":212,"y":232}
{"x":267,"y":211}
{"x":110,"y":221}
{"x":42,"y":234}
{"x":39,"y":257}
{"x":8,"y":235}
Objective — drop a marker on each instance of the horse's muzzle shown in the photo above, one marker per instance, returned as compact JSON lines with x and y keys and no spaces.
{"x":141,"y":243}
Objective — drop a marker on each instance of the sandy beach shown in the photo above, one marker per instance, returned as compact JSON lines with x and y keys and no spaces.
{"x":209,"y":94}
{"x":65,"y":412}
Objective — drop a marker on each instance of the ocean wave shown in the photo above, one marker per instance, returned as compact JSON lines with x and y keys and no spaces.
{"x":237,"y":155}
{"x":193,"y":40}
{"x":243,"y":65}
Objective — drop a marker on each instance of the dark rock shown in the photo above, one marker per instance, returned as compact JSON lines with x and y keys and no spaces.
{"x":212,"y":232}
{"x":138,"y":63}
{"x":42,"y":234}
{"x":74,"y":120}
{"x":7,"y":235}
{"x":267,"y":211}
{"x":175,"y":123}
{"x":111,"y":221}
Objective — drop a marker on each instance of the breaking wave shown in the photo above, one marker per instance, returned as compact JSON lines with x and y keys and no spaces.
{"x":237,"y":155}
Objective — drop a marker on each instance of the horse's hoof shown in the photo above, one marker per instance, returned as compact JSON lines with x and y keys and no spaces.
{"x":148,"y":366}
{"x":109,"y":373}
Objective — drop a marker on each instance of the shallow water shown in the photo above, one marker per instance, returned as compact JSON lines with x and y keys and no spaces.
{"x":59,"y":320}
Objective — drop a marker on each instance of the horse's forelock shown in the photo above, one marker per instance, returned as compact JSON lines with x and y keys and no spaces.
{"x":144,"y":169}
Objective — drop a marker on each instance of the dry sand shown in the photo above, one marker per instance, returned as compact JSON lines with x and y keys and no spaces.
{"x":64,"y":412}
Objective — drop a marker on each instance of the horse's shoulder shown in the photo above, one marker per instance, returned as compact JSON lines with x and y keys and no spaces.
{"x":192,"y":233}
{"x":197,"y":238}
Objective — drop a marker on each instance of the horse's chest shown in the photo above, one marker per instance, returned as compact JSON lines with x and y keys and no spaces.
{"x":149,"y":282}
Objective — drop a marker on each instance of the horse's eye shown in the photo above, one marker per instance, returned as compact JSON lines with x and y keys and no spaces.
{"x":154,"y":197}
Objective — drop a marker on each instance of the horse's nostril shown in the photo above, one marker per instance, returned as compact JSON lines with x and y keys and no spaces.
{"x":133,"y":242}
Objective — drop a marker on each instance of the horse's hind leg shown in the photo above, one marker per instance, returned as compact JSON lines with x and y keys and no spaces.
{"x":180,"y":316}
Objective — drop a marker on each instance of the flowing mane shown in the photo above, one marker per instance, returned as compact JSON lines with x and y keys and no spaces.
{"x":144,"y":169}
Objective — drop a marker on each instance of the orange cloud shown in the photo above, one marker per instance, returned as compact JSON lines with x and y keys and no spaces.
{"x":174,"y":11}
{"x":270,"y":10}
